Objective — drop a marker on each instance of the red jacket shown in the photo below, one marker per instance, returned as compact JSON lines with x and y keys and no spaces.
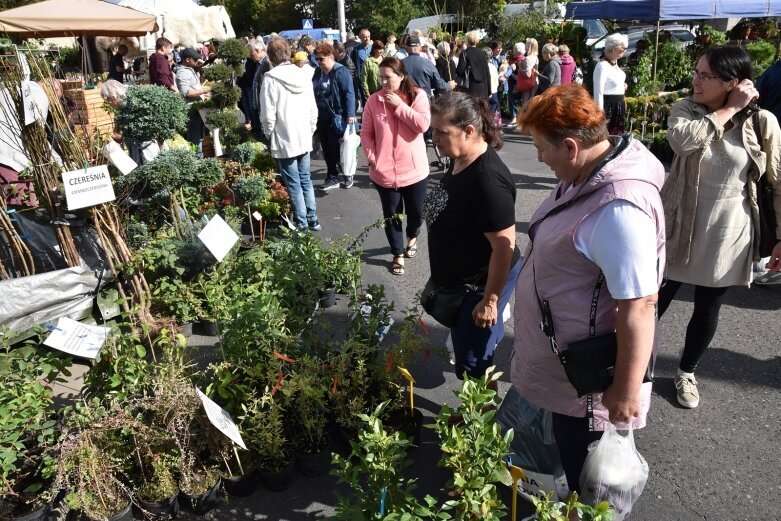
{"x":393,"y":140}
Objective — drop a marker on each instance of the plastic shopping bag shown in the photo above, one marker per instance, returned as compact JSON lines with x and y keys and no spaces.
{"x":533,"y":447}
{"x":614,"y":472}
{"x":348,"y":151}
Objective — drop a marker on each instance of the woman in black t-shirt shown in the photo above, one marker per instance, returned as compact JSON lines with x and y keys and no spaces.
{"x":471,"y":227}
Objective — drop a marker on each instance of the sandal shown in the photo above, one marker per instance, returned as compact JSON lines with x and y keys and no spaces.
{"x":398,"y":265}
{"x":411,"y":250}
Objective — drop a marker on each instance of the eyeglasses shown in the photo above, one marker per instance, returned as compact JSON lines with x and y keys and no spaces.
{"x":321,"y":58}
{"x":704,"y":76}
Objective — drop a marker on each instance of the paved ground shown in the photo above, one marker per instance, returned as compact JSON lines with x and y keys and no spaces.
{"x":718,"y":462}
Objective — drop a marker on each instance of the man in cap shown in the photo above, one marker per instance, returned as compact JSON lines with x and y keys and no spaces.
{"x":424,"y":74}
{"x":189,"y":85}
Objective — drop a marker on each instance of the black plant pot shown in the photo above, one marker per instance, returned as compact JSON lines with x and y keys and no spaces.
{"x":328,"y":298}
{"x":411,"y":426}
{"x":204,"y":502}
{"x":125,"y":515}
{"x":42,"y":514}
{"x":187,"y":329}
{"x":315,"y":464}
{"x":207,"y":328}
{"x":278,"y":481}
{"x":241,"y":486}
{"x":159,"y":509}
{"x":248,"y":227}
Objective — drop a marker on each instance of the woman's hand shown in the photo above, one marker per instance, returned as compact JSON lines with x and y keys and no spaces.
{"x":743,"y":94}
{"x":392,"y":99}
{"x":774,"y":264}
{"x":622,"y":406}
{"x":350,"y":120}
{"x":485,"y":313}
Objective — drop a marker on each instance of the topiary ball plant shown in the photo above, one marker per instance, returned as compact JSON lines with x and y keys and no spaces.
{"x":244,"y":153}
{"x":151,"y":113}
{"x":219,"y":72}
{"x":233,"y":52}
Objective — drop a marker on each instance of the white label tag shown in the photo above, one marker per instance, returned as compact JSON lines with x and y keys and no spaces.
{"x":221,"y":419}
{"x":117,"y":157}
{"x":257,"y":216}
{"x":88,"y":187}
{"x":77,"y":339}
{"x":219,"y":237}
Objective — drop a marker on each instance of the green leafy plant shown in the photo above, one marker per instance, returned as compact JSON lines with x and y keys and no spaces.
{"x":245,"y":153}
{"x":28,"y":430}
{"x":121,"y":371}
{"x":151,"y":113}
{"x":374,"y":473}
{"x":225,"y":118}
{"x":262,"y":428}
{"x":674,"y":65}
{"x":219,"y":72}
{"x":233,"y":52}
{"x":549,"y":510}
{"x":763,"y":54}
{"x":308,"y":407}
{"x":473,"y":450}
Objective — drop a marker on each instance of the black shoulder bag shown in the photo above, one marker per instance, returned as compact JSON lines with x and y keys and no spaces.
{"x":463,"y":81}
{"x":767,"y":214}
{"x":590,"y":363}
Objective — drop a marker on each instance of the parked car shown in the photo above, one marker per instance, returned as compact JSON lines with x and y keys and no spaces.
{"x":680,"y":34}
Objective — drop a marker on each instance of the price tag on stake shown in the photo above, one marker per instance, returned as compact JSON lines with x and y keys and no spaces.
{"x":257,"y":216}
{"x":221,"y":419}
{"x":406,"y":374}
{"x":77,"y":339}
{"x":218,"y":237}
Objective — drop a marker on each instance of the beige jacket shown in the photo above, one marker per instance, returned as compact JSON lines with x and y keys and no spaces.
{"x":691,"y":128}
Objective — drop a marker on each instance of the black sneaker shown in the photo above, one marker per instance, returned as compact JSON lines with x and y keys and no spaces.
{"x":315,"y":226}
{"x":329,"y":184}
{"x":348,"y":182}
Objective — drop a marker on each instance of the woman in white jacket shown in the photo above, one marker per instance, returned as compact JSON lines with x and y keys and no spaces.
{"x":287,"y":105}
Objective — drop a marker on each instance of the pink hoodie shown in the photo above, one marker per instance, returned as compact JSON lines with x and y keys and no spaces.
{"x":393,"y":140}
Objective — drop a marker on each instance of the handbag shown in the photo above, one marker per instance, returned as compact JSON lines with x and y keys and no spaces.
{"x":337,"y":121}
{"x":767,"y":214}
{"x":444,"y":303}
{"x":590,"y":363}
{"x":527,"y":82}
{"x":463,"y":81}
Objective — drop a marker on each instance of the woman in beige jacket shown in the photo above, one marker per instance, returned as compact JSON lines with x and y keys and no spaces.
{"x":709,"y":198}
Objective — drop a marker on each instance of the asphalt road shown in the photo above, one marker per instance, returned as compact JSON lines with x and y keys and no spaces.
{"x":718,"y":462}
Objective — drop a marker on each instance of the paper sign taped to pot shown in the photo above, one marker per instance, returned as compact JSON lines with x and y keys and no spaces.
{"x":88,"y":187}
{"x":117,"y":157}
{"x":219,"y":237}
{"x":221,"y":419}
{"x":77,"y":339}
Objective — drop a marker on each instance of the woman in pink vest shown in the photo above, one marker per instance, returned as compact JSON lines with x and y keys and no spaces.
{"x":394,"y":121}
{"x":591,"y":272}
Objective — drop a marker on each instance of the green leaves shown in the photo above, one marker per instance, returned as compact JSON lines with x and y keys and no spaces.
{"x":151,"y":112}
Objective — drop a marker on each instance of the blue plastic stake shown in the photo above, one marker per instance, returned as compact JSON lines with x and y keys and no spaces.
{"x":383,"y":494}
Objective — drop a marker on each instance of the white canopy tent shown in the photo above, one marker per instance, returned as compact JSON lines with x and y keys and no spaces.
{"x":183,"y":21}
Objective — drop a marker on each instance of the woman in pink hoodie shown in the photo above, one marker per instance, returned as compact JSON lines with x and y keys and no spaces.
{"x":394,"y":120}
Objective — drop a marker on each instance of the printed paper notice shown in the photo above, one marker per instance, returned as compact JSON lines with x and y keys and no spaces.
{"x":87,"y":187}
{"x":77,"y":339}
{"x":221,"y":419}
{"x":117,"y":157}
{"x":218,"y":237}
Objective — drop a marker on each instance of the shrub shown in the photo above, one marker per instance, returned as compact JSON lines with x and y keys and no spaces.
{"x":763,"y":54}
{"x":151,"y":112}
{"x":219,"y":72}
{"x":244,"y":153}
{"x":225,"y":96}
{"x":233,"y":52}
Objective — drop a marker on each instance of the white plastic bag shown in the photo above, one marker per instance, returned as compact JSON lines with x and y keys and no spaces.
{"x":348,"y":151}
{"x":614,"y":471}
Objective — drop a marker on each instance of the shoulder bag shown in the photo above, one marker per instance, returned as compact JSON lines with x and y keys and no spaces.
{"x":444,"y":303}
{"x":463,"y":81}
{"x":767,"y":215}
{"x":527,"y":82}
{"x":337,"y":121}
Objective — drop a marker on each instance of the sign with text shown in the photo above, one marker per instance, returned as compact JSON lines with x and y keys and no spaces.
{"x":219,"y":237}
{"x":77,"y":339}
{"x":221,"y":419}
{"x":88,"y":187}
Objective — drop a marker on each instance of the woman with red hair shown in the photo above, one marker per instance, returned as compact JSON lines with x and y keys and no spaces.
{"x":591,"y":272}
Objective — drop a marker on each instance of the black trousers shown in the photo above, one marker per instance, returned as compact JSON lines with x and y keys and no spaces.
{"x":573,"y":438}
{"x":703,"y":323}
{"x":406,"y":200}
{"x":329,"y":141}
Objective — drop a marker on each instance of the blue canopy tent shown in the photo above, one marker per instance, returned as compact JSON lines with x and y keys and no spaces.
{"x":655,"y":10}
{"x":666,"y":10}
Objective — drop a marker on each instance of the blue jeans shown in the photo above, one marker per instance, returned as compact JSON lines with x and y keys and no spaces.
{"x":298,"y":181}
{"x":474,"y":346}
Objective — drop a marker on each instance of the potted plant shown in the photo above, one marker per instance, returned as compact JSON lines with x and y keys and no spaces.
{"x":150,"y":114}
{"x":263,"y":430}
{"x":546,"y":509}
{"x":709,"y":35}
{"x":29,"y":430}
{"x":306,"y":396}
{"x":474,"y":450}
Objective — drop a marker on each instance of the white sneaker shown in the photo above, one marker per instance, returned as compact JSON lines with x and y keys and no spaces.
{"x":686,"y":385}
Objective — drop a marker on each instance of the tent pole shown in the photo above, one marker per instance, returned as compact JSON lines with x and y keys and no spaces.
{"x":656,"y":55}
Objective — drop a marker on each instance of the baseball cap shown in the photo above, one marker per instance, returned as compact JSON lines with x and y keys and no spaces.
{"x":191,"y":53}
{"x":300,"y":56}
{"x":413,"y":41}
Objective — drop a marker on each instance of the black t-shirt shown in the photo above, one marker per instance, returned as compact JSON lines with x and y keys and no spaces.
{"x":459,"y":211}
{"x":116,"y":61}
